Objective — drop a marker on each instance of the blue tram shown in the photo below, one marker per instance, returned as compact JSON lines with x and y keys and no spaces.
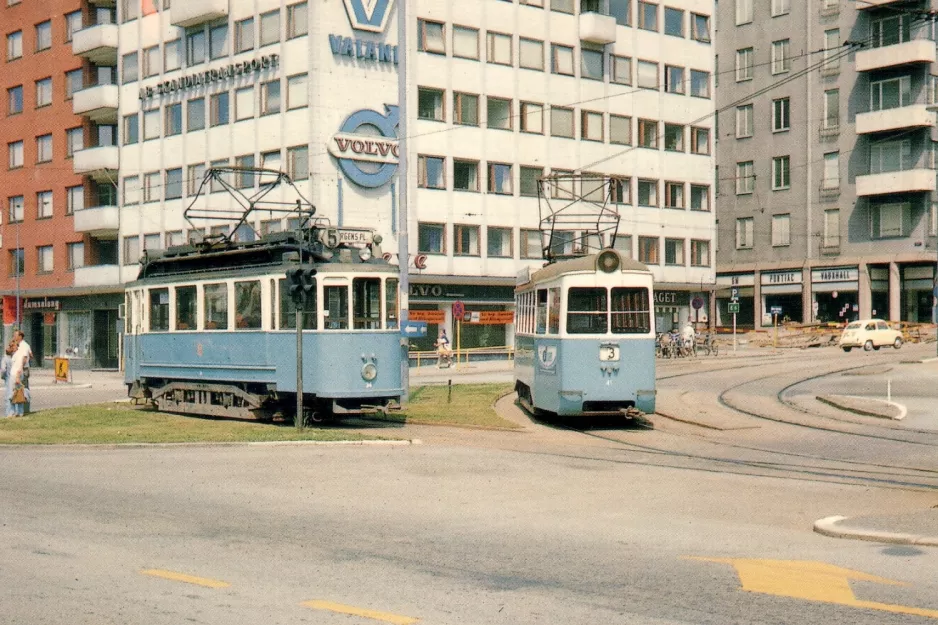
{"x":211,"y":328}
{"x":585,"y":337}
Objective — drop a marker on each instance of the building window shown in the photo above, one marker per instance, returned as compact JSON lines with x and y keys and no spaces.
{"x":73,"y":24}
{"x":465,"y":175}
{"x":14,"y":45}
{"x":700,"y":27}
{"x":831,"y":50}
{"x":219,"y":108}
{"x":17,"y":208}
{"x":745,"y":178}
{"x":130,"y":10}
{"x":195,"y":175}
{"x":890,"y":30}
{"x":781,"y":173}
{"x":890,"y":220}
{"x":195,"y":114}
{"x":17,"y":262}
{"x":744,"y":233}
{"x":498,"y":48}
{"x":498,"y":113}
{"x":498,"y":242}
{"x":246,"y":179}
{"x":151,"y":186}
{"x":620,"y":129}
{"x":674,"y":194}
{"x":744,"y":121}
{"x":744,"y":64}
{"x":74,"y":199}
{"x":528,"y":179}
{"x":465,"y":42}
{"x":780,"y":7}
{"x":172,"y":55}
{"x":129,"y":70}
{"x":270,"y":97}
{"x":699,"y":197}
{"x":647,"y":16}
{"x":297,"y":92}
{"x":648,"y":250}
{"x":74,"y":141}
{"x":195,"y":47}
{"x":621,"y":70}
{"x":647,"y":192}
{"x":131,"y":250}
{"x":781,"y":230}
{"x":561,"y":60}
{"x":244,"y":35}
{"x":430,"y":170}
{"x":648,"y":133}
{"x":151,"y":61}
{"x":832,"y":227}
{"x":44,"y":259}
{"x":699,"y":83}
{"x":270,"y":28}
{"x":591,"y":64}
{"x":76,"y":255}
{"x":622,"y":11}
{"x":699,"y":253}
{"x":44,"y":149}
{"x":781,"y":57}
{"x":673,"y":137}
{"x":674,"y":252}
{"x":561,"y":6}
{"x":15,"y":154}
{"x":173,"y":183}
{"x":647,"y":74}
{"x":466,"y":109}
{"x":561,"y":122}
{"x":888,"y":156}
{"x":44,"y":205}
{"x":591,"y":126}
{"x":699,"y":140}
{"x":43,"y":92}
{"x":431,"y":238}
{"x":561,"y":184}
{"x":781,"y":119}
{"x":298,"y":162}
{"x":173,"y":119}
{"x":673,"y":79}
{"x":15,"y":100}
{"x":465,"y":240}
{"x":743,"y":12}
{"x":673,"y":22}
{"x":532,"y":117}
{"x":244,"y":103}
{"x":891,"y":93}
{"x":431,"y":37}
{"x":620,"y":190}
{"x":297,"y":20}
{"x":151,"y":124}
{"x":500,"y":179}
{"x":531,"y":245}
{"x":832,"y":108}
{"x":831,"y":178}
{"x":131,"y":190}
{"x":74,"y":81}
{"x":430,"y":104}
{"x":218,"y":41}
{"x":531,"y":54}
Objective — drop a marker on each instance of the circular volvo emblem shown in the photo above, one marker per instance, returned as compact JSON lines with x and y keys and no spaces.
{"x":366,"y":147}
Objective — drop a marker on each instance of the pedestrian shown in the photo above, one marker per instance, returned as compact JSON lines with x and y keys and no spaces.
{"x":6,"y":374}
{"x":21,"y":364}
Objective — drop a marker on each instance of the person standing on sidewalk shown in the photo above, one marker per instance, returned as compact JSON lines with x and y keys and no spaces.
{"x":21,"y":358}
{"x":6,"y":374}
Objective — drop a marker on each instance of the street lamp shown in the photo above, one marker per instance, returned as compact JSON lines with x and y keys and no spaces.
{"x":933,"y":108}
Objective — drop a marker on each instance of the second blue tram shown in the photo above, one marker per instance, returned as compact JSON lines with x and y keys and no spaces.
{"x":585,"y":337}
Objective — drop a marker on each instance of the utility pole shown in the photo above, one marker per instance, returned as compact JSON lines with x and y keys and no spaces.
{"x":403,"y":246}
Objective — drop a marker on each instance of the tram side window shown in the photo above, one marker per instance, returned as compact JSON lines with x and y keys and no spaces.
{"x":541,"y":311}
{"x":336,"y":307}
{"x":288,"y":309}
{"x":390,"y":303}
{"x":128,"y":313}
{"x":553,"y":312}
{"x":159,"y":310}
{"x":215,"y":300}
{"x":366,"y":303}
{"x":248,"y":305}
{"x":631,"y":313}
{"x":186,"y":307}
{"x":587,"y":311}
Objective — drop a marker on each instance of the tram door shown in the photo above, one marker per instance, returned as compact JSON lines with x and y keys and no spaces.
{"x":105,"y":339}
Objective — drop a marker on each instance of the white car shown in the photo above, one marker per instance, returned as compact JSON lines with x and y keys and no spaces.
{"x":869,"y":334}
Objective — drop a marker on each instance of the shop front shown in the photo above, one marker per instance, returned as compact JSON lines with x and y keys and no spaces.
{"x":917,"y":295}
{"x":781,"y":295}
{"x":879,"y":292}
{"x":674,"y":308}
{"x":835,"y":294}
{"x":742,"y":286}
{"x":487,"y":319}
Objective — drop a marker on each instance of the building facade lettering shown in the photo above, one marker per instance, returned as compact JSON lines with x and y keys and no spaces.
{"x":210,"y":76}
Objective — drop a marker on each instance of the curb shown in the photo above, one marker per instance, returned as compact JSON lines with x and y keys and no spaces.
{"x":59,"y":387}
{"x":832,"y":401}
{"x":828,"y":527}
{"x":371,"y":443}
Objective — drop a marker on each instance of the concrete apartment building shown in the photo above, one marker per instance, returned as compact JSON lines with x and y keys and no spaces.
{"x":499,"y":94}
{"x":826,"y":205}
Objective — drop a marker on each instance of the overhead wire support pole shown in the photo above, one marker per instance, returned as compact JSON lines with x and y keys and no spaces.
{"x":403,"y":245}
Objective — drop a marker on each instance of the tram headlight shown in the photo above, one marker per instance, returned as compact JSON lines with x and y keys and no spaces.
{"x":369,"y":371}
{"x":364,"y":254}
{"x":608,"y":261}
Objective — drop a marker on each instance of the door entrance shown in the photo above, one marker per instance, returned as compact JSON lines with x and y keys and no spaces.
{"x":105,"y":339}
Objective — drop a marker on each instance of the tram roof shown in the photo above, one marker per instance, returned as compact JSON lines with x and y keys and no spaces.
{"x":581,"y":264}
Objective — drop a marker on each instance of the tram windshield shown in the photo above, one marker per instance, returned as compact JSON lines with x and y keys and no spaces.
{"x":587,"y":311}
{"x":591,"y":310}
{"x":631,"y":312}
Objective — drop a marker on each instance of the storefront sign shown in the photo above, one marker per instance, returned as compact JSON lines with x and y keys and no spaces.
{"x":492,"y":317}
{"x":835,"y":274}
{"x":350,"y":147}
{"x":369,"y":16}
{"x":209,"y":76}
{"x":427,"y":316}
{"x":42,"y":304}
{"x":781,"y":277}
{"x":737,"y":279}
{"x":466,"y":292}
{"x":674,"y":298}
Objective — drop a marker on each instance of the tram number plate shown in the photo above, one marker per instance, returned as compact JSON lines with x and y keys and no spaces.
{"x":608,"y":353}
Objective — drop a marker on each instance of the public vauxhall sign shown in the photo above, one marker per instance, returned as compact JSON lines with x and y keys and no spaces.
{"x":370,"y":16}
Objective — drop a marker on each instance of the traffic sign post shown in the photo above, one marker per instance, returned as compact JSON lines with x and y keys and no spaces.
{"x":776,"y":311}
{"x":459,"y":309}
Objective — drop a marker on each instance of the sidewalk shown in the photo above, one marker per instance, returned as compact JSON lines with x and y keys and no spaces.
{"x":912,"y":528}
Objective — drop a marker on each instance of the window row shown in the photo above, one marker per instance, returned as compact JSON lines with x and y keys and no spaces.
{"x":777,"y":8}
{"x":45,"y":259}
{"x":172,"y":183}
{"x":534,"y":54}
{"x":337,"y":303}
{"x":42,"y":96}
{"x":780,"y":57}
{"x":16,"y":156}
{"x":45,"y":204}
{"x":42,"y":36}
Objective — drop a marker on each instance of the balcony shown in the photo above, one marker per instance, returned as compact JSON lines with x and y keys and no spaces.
{"x":98,"y":275}
{"x":913,"y":116}
{"x":597,"y":28}
{"x":904,"y":181}
{"x":98,"y":44}
{"x":98,"y":221}
{"x":875,"y":4}
{"x":100,"y":163}
{"x":830,"y":245}
{"x":194,"y":12}
{"x":907,"y":53}
{"x":99,"y":103}
{"x":829,"y":128}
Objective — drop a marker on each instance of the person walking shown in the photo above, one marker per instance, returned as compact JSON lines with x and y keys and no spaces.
{"x":6,"y":374}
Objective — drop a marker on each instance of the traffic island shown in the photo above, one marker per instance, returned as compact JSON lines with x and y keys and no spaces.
{"x":866,"y":406}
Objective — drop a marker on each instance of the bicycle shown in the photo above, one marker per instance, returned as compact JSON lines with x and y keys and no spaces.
{"x":708,"y":344}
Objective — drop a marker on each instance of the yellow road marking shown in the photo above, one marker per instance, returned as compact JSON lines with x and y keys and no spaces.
{"x":811,"y":581}
{"x":189,"y":579}
{"x":395,"y":619}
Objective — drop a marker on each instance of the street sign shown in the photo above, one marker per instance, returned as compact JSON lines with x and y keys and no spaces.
{"x":459,"y":309}
{"x":414,"y":329}
{"x":776,"y":310}
{"x":734,"y":293}
{"x":697,"y":303}
{"x":734,"y":307}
